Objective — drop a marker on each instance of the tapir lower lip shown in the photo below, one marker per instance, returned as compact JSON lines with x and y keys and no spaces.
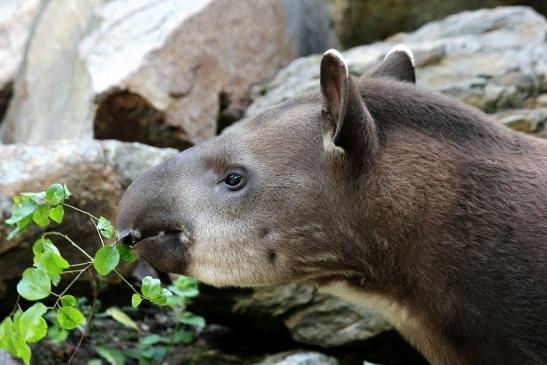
{"x":167,"y":251}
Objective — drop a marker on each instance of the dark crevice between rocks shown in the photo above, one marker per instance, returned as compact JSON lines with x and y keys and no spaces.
{"x":5,"y":96}
{"x":128,"y":117}
{"x":230,"y":110}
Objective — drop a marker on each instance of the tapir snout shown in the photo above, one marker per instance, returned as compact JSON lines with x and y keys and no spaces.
{"x":150,"y":216}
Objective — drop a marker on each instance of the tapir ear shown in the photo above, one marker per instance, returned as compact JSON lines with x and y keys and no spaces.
{"x":398,"y":64}
{"x":349,"y":124}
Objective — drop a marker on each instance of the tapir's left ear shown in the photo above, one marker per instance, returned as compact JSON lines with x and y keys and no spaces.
{"x":398,"y":64}
{"x":349,"y":124}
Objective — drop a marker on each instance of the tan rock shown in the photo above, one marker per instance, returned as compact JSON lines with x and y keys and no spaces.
{"x":156,"y":72}
{"x":16,"y":17}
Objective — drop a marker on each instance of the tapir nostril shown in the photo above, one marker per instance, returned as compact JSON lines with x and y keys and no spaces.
{"x":129,"y":236}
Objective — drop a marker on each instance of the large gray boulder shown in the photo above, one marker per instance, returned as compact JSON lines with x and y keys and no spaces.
{"x":16,"y":18}
{"x":299,"y":358}
{"x":156,"y":72}
{"x":309,"y":316}
{"x":492,"y":59}
{"x":364,"y":21}
{"x":97,"y":173}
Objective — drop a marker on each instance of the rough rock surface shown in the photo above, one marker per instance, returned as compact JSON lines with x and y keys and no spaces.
{"x":156,"y":72}
{"x":6,"y":359}
{"x":492,"y":59}
{"x":97,"y":173}
{"x":15,"y":24}
{"x":311,"y":317}
{"x":363,"y":21}
{"x":299,"y":358}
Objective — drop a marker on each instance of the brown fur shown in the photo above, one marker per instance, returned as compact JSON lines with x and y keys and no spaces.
{"x":397,"y":195}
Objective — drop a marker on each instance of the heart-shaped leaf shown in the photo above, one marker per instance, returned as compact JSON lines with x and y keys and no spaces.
{"x":34,"y":285}
{"x":69,"y":317}
{"x":106,"y":228}
{"x":106,"y":259}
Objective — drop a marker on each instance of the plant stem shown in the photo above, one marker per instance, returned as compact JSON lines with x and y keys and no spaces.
{"x":53,"y":233}
{"x":86,"y":330}
{"x":81,"y":264}
{"x":128,"y":283}
{"x":81,"y":211}
{"x":98,"y":233}
{"x":16,"y":306}
{"x":70,"y":284}
{"x":71,"y":271}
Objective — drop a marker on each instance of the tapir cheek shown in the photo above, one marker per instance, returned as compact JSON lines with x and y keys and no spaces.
{"x":166,"y":252}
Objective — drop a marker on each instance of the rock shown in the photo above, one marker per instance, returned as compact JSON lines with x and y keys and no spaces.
{"x":310,"y":317}
{"x":527,"y":120}
{"x":362,"y":21}
{"x":299,"y":358}
{"x":155,"y":72}
{"x":298,"y":311}
{"x":97,"y":173}
{"x":15,"y":24}
{"x":492,"y":59}
{"x":541,"y":100}
{"x":6,"y":359}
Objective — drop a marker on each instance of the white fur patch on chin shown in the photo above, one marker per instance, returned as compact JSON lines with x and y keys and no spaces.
{"x":405,"y":50}
{"x":334,"y":53}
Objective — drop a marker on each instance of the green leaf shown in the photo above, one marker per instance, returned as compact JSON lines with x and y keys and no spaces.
{"x":18,"y":230}
{"x":31,"y":325}
{"x":57,"y":213}
{"x":126,"y":253}
{"x":152,"y":340}
{"x":57,"y":334}
{"x":55,"y":194}
{"x":48,"y":259}
{"x":185,"y":286}
{"x":23,"y":209}
{"x":112,"y":355}
{"x":106,"y":228}
{"x":151,"y":287}
{"x":12,"y":342}
{"x":68,"y":301}
{"x":38,"y":198}
{"x":182,"y":337}
{"x":94,"y":362}
{"x":106,"y":259}
{"x":135,"y":300}
{"x":38,"y":246}
{"x":69,"y":317}
{"x":122,"y":318}
{"x":40,"y":216}
{"x":184,"y":292}
{"x":191,"y":319}
{"x":34,"y":285}
{"x":68,"y":194}
{"x":162,"y":298}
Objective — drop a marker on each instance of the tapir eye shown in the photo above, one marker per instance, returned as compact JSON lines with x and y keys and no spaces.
{"x":234,"y":181}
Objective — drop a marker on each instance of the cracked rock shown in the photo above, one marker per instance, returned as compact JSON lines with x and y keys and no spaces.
{"x":152,"y":71}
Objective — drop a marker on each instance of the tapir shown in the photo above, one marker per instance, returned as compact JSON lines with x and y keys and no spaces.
{"x":375,"y":190}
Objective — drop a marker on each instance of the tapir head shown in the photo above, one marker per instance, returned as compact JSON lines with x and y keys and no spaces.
{"x":272,"y":199}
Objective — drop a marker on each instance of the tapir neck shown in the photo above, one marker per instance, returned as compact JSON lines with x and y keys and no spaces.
{"x":448,"y":258}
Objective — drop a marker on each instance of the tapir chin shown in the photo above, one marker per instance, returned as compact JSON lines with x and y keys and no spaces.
{"x":375,"y":190}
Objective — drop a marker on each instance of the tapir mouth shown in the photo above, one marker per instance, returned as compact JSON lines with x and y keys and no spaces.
{"x":166,"y":250}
